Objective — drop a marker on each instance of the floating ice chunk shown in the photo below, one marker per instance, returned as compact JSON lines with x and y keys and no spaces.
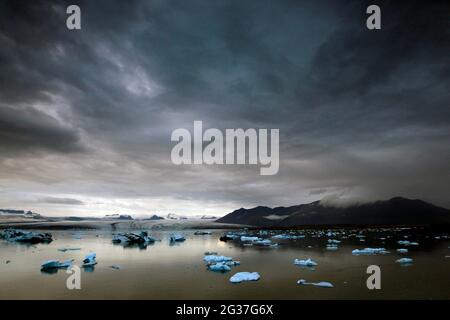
{"x":89,"y":260}
{"x":265,"y":242}
{"x":287,"y":237}
{"x":55,"y":264}
{"x":333,"y":241}
{"x":202,"y":233}
{"x":220,"y":267}
{"x":404,"y":260}
{"x":332,"y":247}
{"x":68,"y":249}
{"x":244,"y":239}
{"x":215,"y":259}
{"x":402,"y":250}
{"x":357,"y":252}
{"x":14,"y":235}
{"x":115,"y":266}
{"x":245,"y":276}
{"x":323,"y":284}
{"x":306,"y":263}
{"x":407,"y":243}
{"x":177,"y":238}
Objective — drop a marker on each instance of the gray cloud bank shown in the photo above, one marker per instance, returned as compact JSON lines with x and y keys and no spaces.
{"x":88,"y":114}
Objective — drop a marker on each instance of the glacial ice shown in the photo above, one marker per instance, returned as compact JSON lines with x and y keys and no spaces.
{"x":55,"y":264}
{"x":245,"y":276}
{"x":215,"y":259}
{"x":221,"y":267}
{"x":306,"y":263}
{"x":89,"y":260}
{"x":177,"y":238}
{"x":323,"y":284}
{"x":357,"y":252}
{"x":402,"y":250}
{"x":404,"y":260}
{"x":14,"y":235}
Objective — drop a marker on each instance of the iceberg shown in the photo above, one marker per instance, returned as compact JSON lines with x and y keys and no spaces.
{"x":287,"y":237}
{"x":115,"y":266}
{"x":55,"y":264}
{"x":219,"y":267}
{"x":215,"y":259}
{"x":333,"y":241}
{"x":68,"y":249}
{"x":407,"y":243}
{"x":402,"y":250}
{"x":245,"y":276}
{"x":177,"y":238}
{"x":244,"y":239}
{"x":306,"y":263}
{"x":365,"y":251}
{"x":89,"y":260}
{"x":202,"y":233}
{"x":323,"y":284}
{"x":332,"y":247}
{"x":133,"y":238}
{"x":404,"y":261}
{"x":14,"y":235}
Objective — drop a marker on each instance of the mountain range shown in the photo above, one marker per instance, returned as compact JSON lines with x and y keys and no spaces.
{"x":395,"y":211}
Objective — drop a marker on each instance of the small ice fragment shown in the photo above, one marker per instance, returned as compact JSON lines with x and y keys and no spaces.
{"x":221,"y":267}
{"x":177,"y":238}
{"x":245,"y":276}
{"x":68,"y":249}
{"x":402,"y":250}
{"x":307,"y":263}
{"x":244,"y":239}
{"x":55,"y":264}
{"x":115,"y":266}
{"x":369,"y":251}
{"x":323,"y":284}
{"x":214,"y":258}
{"x":333,"y":241}
{"x":404,"y":260}
{"x":89,"y":260}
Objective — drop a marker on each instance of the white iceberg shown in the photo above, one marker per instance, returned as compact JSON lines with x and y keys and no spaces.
{"x":365,"y":251}
{"x":404,"y":260}
{"x":306,"y":263}
{"x":215,"y":259}
{"x":245,"y":276}
{"x":402,"y":250}
{"x":323,"y":284}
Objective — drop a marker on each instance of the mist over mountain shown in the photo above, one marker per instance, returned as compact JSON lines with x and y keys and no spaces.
{"x":395,"y":211}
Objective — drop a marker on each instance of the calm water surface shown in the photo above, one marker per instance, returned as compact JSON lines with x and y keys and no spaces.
{"x":164,"y":271}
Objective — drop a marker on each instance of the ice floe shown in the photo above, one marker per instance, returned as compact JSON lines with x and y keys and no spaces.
{"x":14,"y":235}
{"x":323,"y":284}
{"x":68,"y":249}
{"x":55,"y":264}
{"x":177,"y":238}
{"x":215,"y":258}
{"x":133,"y":238}
{"x":245,"y":276}
{"x":368,"y":251}
{"x":306,"y":263}
{"x":251,"y":239}
{"x":221,"y":267}
{"x":90,"y":260}
{"x":404,"y":261}
{"x":407,"y":243}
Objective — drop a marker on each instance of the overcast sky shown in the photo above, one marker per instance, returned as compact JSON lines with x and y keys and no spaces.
{"x":86,"y":116}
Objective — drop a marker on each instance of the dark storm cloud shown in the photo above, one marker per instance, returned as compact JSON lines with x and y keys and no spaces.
{"x":360,"y":112}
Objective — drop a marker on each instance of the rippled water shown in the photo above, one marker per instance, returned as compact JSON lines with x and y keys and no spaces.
{"x":164,"y":271}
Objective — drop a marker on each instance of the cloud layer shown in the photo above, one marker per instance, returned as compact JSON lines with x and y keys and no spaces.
{"x":86,"y":116}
